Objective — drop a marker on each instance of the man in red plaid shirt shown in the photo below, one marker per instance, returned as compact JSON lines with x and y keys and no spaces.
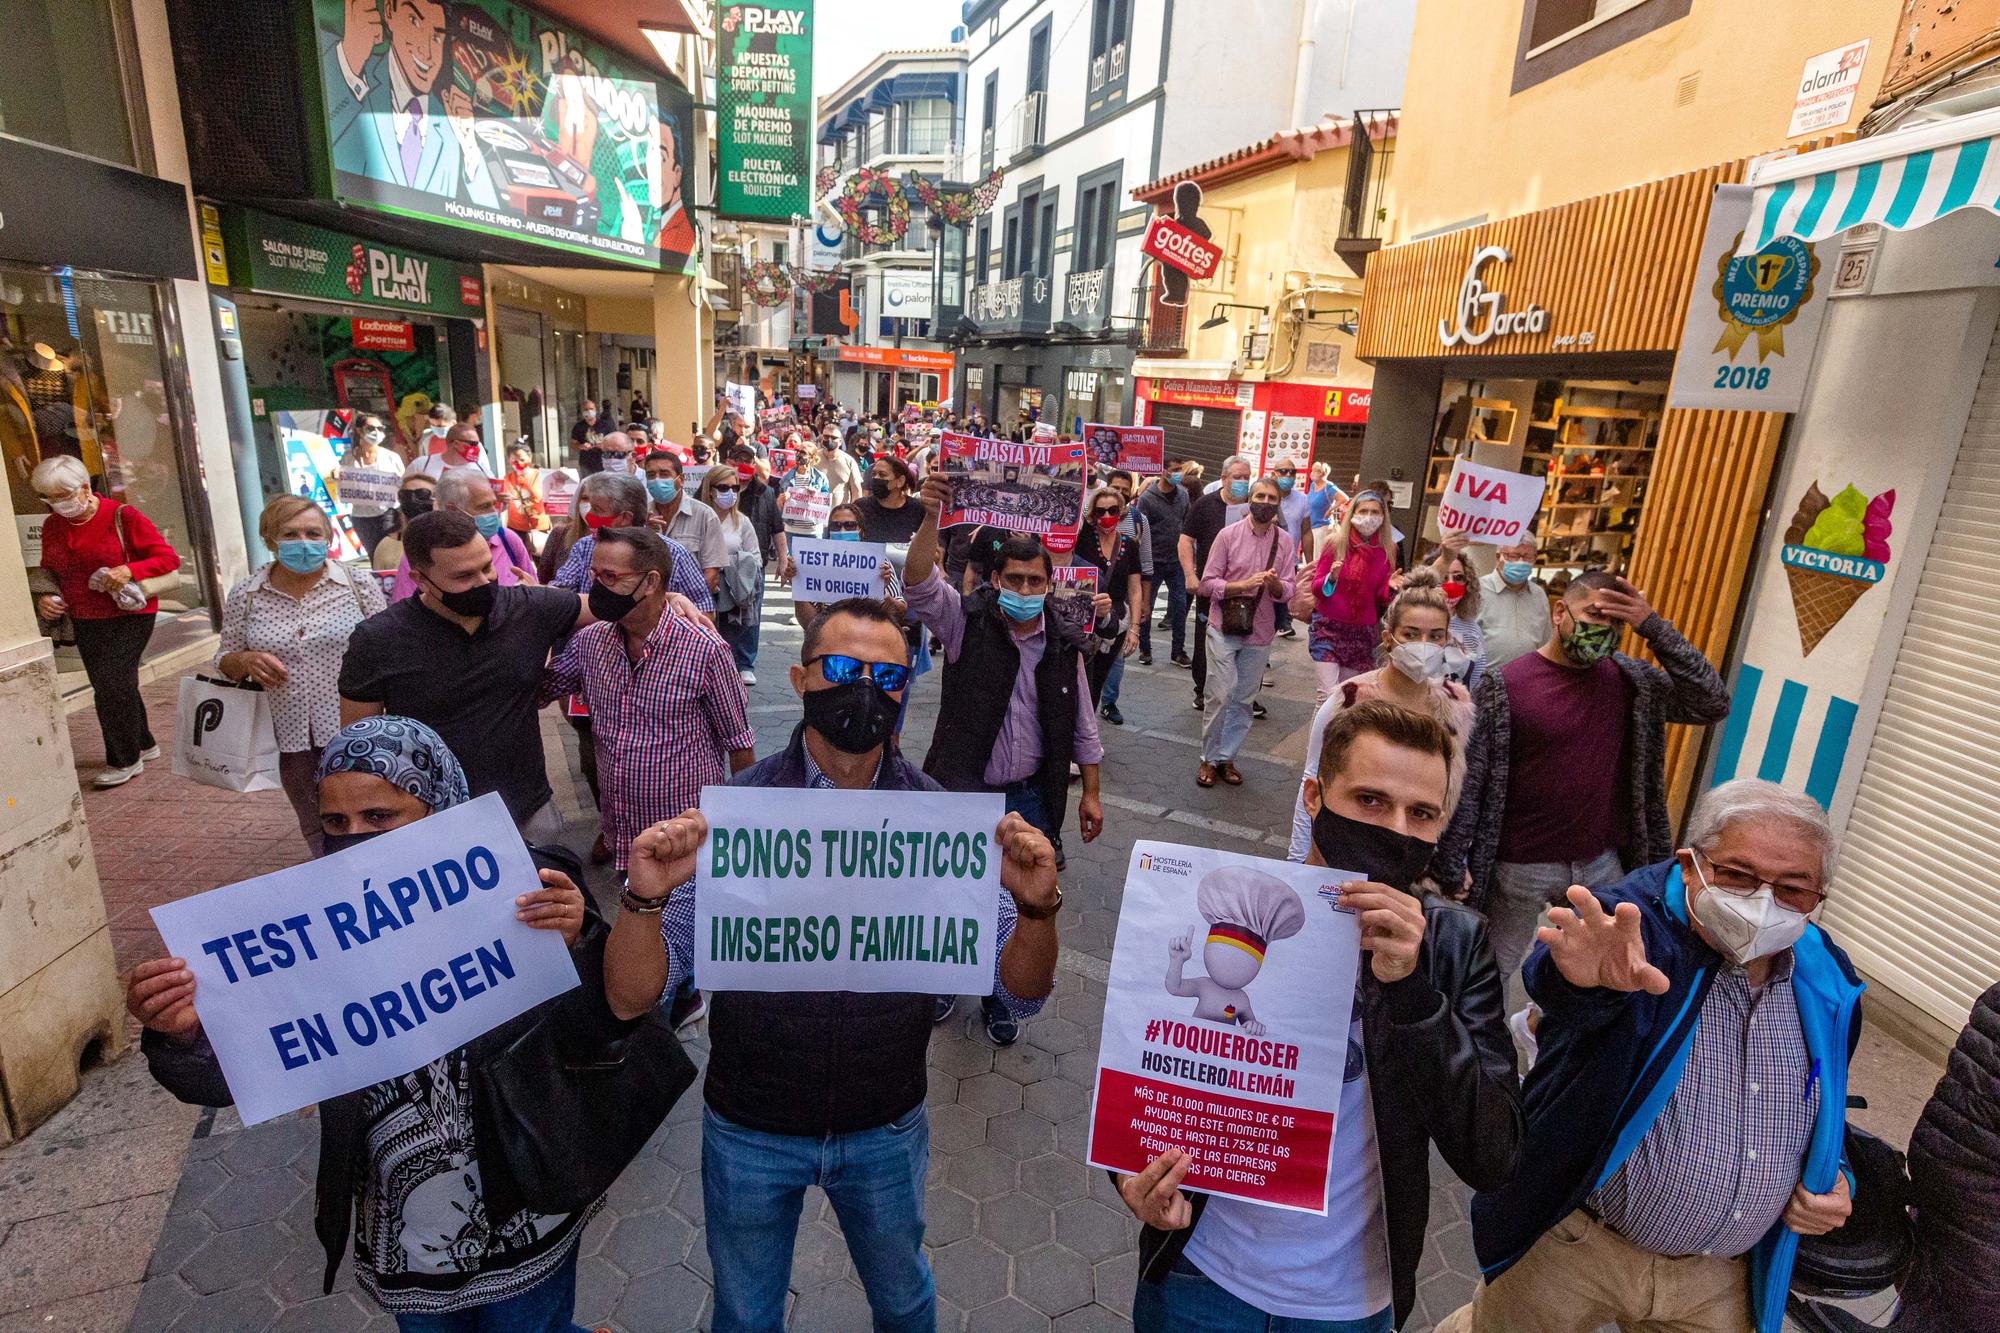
{"x":666,"y":705}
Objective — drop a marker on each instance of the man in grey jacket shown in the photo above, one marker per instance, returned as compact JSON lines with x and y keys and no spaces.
{"x":1565,"y":774}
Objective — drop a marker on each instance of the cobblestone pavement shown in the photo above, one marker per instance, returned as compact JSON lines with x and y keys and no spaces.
{"x":1022,"y":1235}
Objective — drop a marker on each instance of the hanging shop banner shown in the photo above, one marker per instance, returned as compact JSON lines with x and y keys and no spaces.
{"x":1031,"y":488}
{"x":369,"y":963}
{"x":1239,"y":1055}
{"x":831,"y":571}
{"x":906,"y":294}
{"x":1181,"y":249}
{"x":876,"y":892}
{"x":521,"y":128}
{"x":764,"y":109}
{"x":1140,"y":450}
{"x":1753,"y":321}
{"x":287,"y":258}
{"x":1489,"y":504}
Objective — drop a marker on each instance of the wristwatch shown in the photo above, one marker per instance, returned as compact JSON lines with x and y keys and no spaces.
{"x":1040,"y":913}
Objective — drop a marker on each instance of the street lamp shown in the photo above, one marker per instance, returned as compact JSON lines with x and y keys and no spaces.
{"x":1217,"y":319}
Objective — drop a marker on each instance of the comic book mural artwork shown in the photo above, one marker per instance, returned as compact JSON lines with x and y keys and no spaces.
{"x":480,"y":114}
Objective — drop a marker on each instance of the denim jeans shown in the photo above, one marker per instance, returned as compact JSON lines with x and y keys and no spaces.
{"x":547,"y":1307}
{"x":1113,"y":678}
{"x":753,"y":1186}
{"x":741,"y":633}
{"x":1238,"y":668}
{"x":1518,"y":895}
{"x":1174,"y":579}
{"x":1188,"y":1302}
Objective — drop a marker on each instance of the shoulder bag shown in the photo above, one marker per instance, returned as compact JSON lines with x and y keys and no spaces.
{"x":1239,"y":613}
{"x":159,"y":583}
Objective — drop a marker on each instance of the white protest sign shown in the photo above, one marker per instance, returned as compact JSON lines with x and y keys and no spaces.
{"x":870,"y":891}
{"x":694,"y":474}
{"x":805,"y":509}
{"x":742,"y":399}
{"x":829,"y":571}
{"x":1488,"y":504}
{"x":1226,"y":1024}
{"x":367,"y":964}
{"x":366,"y":486}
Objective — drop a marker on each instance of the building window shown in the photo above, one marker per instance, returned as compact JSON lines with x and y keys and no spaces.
{"x":59,"y":81}
{"x":990,"y":118}
{"x":1558,"y":35}
{"x":927,"y":126}
{"x":1110,"y":22}
{"x":1559,"y":18}
{"x":918,"y":237}
{"x":878,"y":135}
{"x":1096,"y":221}
{"x":1010,"y":244}
{"x":982,"y":250}
{"x":1045,"y":238}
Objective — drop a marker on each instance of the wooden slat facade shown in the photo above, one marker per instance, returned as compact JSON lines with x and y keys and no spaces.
{"x":1619,"y":266}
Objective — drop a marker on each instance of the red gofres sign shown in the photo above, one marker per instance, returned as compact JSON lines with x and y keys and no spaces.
{"x":1177,"y":247}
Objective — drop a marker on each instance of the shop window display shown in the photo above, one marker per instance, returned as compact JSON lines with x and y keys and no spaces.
{"x":81,"y":373}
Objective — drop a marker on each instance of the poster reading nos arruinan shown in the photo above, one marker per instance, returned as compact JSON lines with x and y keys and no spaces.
{"x":1031,"y":488}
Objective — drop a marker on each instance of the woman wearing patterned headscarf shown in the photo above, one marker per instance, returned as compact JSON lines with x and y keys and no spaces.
{"x":398,"y":1161}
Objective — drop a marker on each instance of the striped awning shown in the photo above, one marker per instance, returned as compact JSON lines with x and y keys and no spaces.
{"x":1900,"y":181}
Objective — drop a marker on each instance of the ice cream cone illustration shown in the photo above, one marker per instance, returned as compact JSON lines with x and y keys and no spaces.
{"x":1835,"y":550}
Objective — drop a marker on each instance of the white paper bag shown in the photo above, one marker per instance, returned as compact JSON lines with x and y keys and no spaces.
{"x":223,"y":736}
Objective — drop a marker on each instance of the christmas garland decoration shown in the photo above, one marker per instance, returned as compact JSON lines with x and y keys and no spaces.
{"x":767,"y":283}
{"x":896,"y":207}
{"x":957,"y":207}
{"x":824,"y":180}
{"x":818,"y":281}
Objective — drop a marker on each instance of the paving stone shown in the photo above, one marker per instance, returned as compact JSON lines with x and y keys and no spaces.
{"x":273,"y":1143}
{"x":1020,"y":1134}
{"x":301,"y":1275}
{"x":1053,"y":1279}
{"x":819,"y":1257}
{"x":261,"y":1196}
{"x":955,"y":1128}
{"x":663,"y":1302}
{"x":646,"y":1182}
{"x":1016,"y":1222}
{"x":1073,"y":1137}
{"x":245,"y":1256}
{"x":179,"y":1237}
{"x":1095,"y":1231}
{"x":200,"y":1179}
{"x":943,"y":1089}
{"x":839,"y":1305}
{"x":1113,"y":1280}
{"x":1054,"y":1178}
{"x":338,"y":1313}
{"x":682,"y":1145}
{"x":1057,"y":1036}
{"x":1092,"y":1319}
{"x":948,"y":1216}
{"x":990,"y":1094}
{"x":1080,"y":1006}
{"x":970,"y":1272}
{"x":160,"y":1303}
{"x":646,"y":1242}
{"x":244,"y":1310}
{"x":960,"y":1057}
{"x":1024,"y":1063}
{"x":1078,"y":1066}
{"x":982,"y":1172}
{"x":1008,"y":1316}
{"x":686,"y":1200}
{"x":598,"y":1288}
{"x":1056,"y":1099}
{"x":1105,"y":1191}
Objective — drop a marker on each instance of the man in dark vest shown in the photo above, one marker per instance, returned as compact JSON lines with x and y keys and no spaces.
{"x":1016,"y":707}
{"x":822,"y":1088}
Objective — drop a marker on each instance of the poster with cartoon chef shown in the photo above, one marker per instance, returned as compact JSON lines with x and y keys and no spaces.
{"x":1226,"y":1023}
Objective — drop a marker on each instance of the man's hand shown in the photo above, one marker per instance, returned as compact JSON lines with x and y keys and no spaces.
{"x":663,"y":856}
{"x":1592,"y":949}
{"x":1090,"y":816}
{"x":1622,"y":602}
{"x":1100,"y":607}
{"x":1392,"y":927}
{"x":1272,"y":584}
{"x":558,"y":906}
{"x":1455,"y":542}
{"x":1812,"y":1214}
{"x":679,"y":605}
{"x":787,"y":571}
{"x":160,"y":994}
{"x":265,"y":669}
{"x":361,"y":33}
{"x":935,"y":494}
{"x":1027,"y":863}
{"x":1131,"y":643}
{"x":1154,"y":1195}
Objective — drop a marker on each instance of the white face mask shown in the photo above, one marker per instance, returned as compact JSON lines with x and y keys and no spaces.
{"x":1746,"y":928}
{"x":725,"y":500}
{"x":617,"y":462}
{"x":373,"y":436}
{"x":1421,"y":662}
{"x":76,"y":506}
{"x":1367,"y":524}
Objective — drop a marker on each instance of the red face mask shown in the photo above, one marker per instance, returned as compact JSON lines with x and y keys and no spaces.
{"x":1060,"y":543}
{"x":520,"y":465}
{"x":746,"y":471}
{"x":1107,"y":520}
{"x":1453,"y":591}
{"x":469,"y":452}
{"x":595,"y":521}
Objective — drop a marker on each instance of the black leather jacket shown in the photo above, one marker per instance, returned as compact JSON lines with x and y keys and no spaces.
{"x":1440,"y":1070}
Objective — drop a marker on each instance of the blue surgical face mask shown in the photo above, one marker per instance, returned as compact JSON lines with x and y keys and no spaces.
{"x":488,"y":524}
{"x":849,"y":535}
{"x":1020,"y":607}
{"x":663,"y":489}
{"x":1285,"y":484}
{"x":1516,"y":571}
{"x":302,"y":557}
{"x":1239,"y":490}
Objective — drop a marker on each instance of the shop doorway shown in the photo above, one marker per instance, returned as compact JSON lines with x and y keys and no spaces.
{"x":1207,"y":435}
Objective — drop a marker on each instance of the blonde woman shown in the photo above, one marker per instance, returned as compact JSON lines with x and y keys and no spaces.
{"x":739,"y":595}
{"x":286,"y":627}
{"x":1351,"y":588}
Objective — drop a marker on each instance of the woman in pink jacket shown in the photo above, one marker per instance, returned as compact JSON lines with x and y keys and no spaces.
{"x":1351,"y":589}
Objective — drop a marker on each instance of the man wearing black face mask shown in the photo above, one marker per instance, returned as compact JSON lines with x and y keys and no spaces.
{"x":666,"y":705}
{"x":1429,"y":1062}
{"x":826,"y":1088}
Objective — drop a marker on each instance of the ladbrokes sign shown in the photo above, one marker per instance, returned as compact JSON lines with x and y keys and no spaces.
{"x":1179,"y":248}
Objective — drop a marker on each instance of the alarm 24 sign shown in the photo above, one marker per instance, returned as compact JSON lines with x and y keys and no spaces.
{"x":763,"y":94}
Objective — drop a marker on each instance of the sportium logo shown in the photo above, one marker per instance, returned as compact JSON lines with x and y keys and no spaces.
{"x":757,"y":19}
{"x":399,"y":277}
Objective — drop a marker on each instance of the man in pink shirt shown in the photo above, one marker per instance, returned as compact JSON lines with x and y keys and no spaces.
{"x":466,"y":490}
{"x":1253,"y":557}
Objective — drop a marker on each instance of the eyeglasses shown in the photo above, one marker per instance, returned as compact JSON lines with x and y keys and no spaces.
{"x":840,"y":669}
{"x":1742,"y":882}
{"x":843,"y":527}
{"x":731,"y":489}
{"x":620,"y":583}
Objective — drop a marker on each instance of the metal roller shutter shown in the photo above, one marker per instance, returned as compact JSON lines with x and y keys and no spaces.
{"x":1209,"y":443}
{"x":1338,"y":445}
{"x":1916,"y":897}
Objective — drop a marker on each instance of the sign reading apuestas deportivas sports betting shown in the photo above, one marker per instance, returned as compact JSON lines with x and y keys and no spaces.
{"x":763,"y":93}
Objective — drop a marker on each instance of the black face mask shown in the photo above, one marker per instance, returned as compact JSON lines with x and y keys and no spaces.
{"x":415,"y":501}
{"x":471,"y":602}
{"x":1382,"y":854}
{"x":878,"y":488}
{"x":611,"y":606}
{"x":1264,"y":511}
{"x":855,"y":718}
{"x":340,"y":842}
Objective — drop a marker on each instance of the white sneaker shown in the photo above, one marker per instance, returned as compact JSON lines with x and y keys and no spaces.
{"x":118,"y":777}
{"x":150,"y":752}
{"x":749,"y":676}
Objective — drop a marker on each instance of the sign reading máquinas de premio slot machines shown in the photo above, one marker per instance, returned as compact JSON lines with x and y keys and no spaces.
{"x":763,"y":94}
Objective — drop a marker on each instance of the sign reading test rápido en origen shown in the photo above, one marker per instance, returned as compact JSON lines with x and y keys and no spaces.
{"x":364,"y":965}
{"x":829,"y":571}
{"x":848,"y":890}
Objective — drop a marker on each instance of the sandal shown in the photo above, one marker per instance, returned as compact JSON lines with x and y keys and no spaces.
{"x":1204,"y":776}
{"x":1231,"y":776}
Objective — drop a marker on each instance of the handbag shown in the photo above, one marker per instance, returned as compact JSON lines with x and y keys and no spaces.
{"x":1306,"y":593}
{"x":1239,"y":613}
{"x":158,"y":583}
{"x":224,"y":736}
{"x":566,"y":1117}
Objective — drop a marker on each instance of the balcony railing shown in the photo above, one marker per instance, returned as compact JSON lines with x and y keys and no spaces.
{"x":1010,"y":306}
{"x":1370,"y":152}
{"x":1087,"y":301}
{"x":1107,"y":68}
{"x":1166,"y":328}
{"x":1031,"y":123}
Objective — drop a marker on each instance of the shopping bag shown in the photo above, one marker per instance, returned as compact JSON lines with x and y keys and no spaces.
{"x":223,"y":736}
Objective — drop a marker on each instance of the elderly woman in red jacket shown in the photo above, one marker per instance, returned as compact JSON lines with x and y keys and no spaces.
{"x":99,"y":551}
